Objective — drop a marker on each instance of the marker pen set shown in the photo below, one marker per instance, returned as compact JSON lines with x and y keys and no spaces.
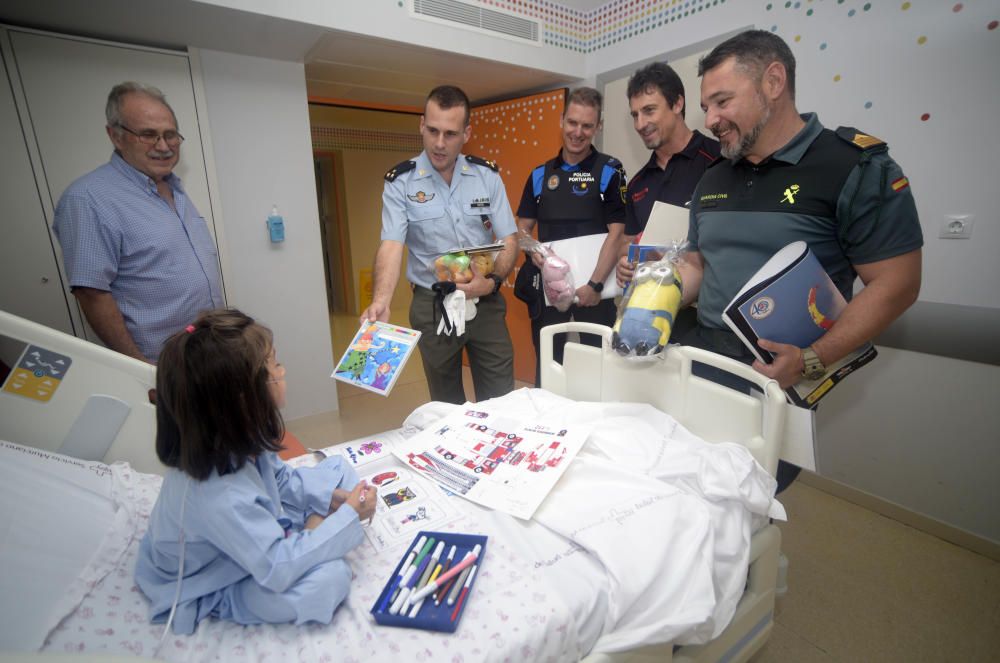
{"x":430,"y":587}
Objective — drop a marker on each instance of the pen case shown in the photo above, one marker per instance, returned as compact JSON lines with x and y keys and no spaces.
{"x":432,"y":617}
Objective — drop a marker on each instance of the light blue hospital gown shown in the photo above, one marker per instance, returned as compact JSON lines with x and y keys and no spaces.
{"x":247,"y":558}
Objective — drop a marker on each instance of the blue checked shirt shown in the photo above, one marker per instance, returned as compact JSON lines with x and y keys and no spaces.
{"x":119,"y":235}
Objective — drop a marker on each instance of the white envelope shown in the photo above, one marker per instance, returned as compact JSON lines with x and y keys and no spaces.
{"x":667,"y":223}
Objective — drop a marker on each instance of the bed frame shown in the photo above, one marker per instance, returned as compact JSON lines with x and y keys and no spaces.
{"x":758,"y":422}
{"x":106,"y":392}
{"x":100,"y":403}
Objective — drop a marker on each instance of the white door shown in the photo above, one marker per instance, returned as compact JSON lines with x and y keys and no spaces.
{"x":30,"y":284}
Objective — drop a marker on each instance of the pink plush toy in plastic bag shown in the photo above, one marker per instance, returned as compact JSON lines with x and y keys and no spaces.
{"x":557,"y":277}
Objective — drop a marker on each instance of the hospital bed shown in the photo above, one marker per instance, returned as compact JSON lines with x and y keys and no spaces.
{"x":60,"y":461}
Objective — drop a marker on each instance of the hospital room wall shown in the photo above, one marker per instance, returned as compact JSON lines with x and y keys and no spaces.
{"x":259,"y":129}
{"x":918,"y":428}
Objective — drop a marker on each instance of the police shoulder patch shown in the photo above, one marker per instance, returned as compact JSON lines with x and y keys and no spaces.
{"x":858,"y":139}
{"x":399,"y":169}
{"x":479,"y":161}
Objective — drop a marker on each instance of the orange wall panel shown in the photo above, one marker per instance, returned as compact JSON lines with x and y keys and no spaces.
{"x":519,"y":134}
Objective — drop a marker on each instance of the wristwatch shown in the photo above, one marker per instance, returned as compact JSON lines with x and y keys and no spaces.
{"x":812,"y":366}
{"x":497,"y":281}
{"x":597,"y":287}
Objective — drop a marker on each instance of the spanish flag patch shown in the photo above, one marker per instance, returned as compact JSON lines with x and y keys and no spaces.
{"x":900,"y":184}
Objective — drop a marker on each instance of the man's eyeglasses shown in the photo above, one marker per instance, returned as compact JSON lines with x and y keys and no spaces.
{"x":150,"y":137}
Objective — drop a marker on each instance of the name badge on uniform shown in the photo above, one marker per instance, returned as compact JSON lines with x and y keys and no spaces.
{"x":480,"y":203}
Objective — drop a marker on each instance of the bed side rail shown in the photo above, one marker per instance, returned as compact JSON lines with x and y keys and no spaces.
{"x":712,"y":411}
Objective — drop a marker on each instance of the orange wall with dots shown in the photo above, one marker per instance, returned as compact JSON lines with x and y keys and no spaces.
{"x":519,"y":134}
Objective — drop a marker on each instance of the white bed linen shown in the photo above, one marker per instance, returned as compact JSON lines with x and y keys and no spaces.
{"x":668,"y":516}
{"x":54,"y":516}
{"x":624,"y":552}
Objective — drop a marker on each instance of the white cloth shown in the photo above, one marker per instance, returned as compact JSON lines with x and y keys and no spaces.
{"x":456,"y":311}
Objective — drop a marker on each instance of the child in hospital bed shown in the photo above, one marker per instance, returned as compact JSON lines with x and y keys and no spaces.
{"x":252,"y":540}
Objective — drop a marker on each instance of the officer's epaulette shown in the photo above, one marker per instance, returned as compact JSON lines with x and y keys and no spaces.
{"x":858,"y":139}
{"x":479,"y":161}
{"x":399,"y":169}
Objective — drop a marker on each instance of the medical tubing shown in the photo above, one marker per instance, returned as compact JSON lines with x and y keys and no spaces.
{"x":180,"y":570}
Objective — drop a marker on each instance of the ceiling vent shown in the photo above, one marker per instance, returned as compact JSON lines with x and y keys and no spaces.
{"x":488,"y":21}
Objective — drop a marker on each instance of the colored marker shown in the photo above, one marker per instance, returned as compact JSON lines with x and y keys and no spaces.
{"x":423,"y":551}
{"x":445,"y":577}
{"x":457,"y":587}
{"x":416,"y":608}
{"x":403,"y":588}
{"x":446,"y":586}
{"x":400,"y":600}
{"x":447,"y":565}
{"x":390,"y":594}
{"x":406,"y":566}
{"x":465,"y":592}
{"x":430,"y":567}
{"x":444,"y":565}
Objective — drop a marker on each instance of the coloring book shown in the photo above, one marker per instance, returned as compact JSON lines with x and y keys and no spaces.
{"x":376,"y":356}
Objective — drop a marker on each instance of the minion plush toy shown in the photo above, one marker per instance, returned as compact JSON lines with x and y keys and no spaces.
{"x":654,"y":297}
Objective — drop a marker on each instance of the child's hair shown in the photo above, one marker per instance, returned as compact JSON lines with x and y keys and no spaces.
{"x":214,"y":409}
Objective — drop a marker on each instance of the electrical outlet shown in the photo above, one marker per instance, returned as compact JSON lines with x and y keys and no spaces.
{"x":957,"y":226}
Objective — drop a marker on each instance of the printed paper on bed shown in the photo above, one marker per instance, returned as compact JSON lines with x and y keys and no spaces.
{"x":376,"y":356}
{"x":494,"y":460}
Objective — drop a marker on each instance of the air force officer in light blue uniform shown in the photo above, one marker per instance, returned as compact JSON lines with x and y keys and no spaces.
{"x":438,"y":201}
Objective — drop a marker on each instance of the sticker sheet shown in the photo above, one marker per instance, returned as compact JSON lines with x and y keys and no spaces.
{"x":496,"y":461}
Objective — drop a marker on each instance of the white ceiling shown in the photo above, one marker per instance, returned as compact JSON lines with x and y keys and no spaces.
{"x":337,"y":65}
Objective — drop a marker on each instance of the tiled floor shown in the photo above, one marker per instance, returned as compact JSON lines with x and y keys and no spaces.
{"x":861,"y":587}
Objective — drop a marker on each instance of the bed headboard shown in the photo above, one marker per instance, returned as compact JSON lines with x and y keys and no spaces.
{"x":713,"y":412}
{"x":68,"y":395}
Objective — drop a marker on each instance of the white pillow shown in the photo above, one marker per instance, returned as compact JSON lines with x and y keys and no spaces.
{"x":54,"y":514}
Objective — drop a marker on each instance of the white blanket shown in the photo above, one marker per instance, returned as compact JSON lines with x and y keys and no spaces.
{"x":668,"y":516}
{"x":644,"y":540}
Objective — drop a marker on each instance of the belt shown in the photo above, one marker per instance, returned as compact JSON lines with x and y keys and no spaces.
{"x":427,"y":292}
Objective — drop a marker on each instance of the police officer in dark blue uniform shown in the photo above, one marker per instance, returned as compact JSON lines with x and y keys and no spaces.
{"x":578,"y":193}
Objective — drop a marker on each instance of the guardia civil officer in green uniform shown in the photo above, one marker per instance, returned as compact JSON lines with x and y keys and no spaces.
{"x":438,"y":201}
{"x":783,"y":178}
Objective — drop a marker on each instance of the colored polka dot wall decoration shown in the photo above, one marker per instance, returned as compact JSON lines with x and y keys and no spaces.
{"x":616,"y":21}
